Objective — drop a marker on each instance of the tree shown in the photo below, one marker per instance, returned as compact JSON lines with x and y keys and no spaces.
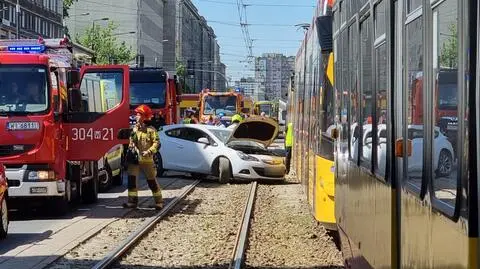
{"x":181,"y":71}
{"x":449,"y":52}
{"x":66,"y":6}
{"x":104,"y":43}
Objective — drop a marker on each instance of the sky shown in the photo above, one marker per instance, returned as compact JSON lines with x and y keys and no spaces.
{"x":272,"y":29}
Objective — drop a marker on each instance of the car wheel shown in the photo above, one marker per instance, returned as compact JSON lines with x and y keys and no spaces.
{"x":4,"y":222}
{"x":90,"y":188}
{"x":224,"y":171}
{"x":445,"y":163}
{"x":107,"y":179}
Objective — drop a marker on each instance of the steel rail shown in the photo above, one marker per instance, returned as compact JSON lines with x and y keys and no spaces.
{"x":238,"y":255}
{"x":149,"y":224}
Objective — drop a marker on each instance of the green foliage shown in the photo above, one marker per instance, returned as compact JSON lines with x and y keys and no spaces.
{"x":105,"y":44}
{"x":181,"y":71}
{"x":66,"y":6}
{"x":449,"y":51}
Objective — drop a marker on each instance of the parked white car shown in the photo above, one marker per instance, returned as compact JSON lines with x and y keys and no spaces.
{"x":241,"y":153}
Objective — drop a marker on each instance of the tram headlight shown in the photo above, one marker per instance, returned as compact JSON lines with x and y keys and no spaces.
{"x":246,"y":157}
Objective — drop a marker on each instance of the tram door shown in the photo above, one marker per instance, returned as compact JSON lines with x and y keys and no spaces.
{"x":430,"y":233}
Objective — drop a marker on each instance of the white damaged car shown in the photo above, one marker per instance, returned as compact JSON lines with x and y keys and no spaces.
{"x":241,"y":153}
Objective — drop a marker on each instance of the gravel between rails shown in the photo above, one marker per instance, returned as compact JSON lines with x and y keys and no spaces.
{"x":94,"y":249}
{"x":200,"y":231}
{"x":284,"y":234}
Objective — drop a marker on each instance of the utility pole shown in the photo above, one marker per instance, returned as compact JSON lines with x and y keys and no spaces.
{"x":18,"y":18}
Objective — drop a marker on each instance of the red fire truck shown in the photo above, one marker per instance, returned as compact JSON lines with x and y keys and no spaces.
{"x":154,"y":87}
{"x":54,"y":132}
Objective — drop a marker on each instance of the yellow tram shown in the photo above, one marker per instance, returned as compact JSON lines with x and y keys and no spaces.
{"x":396,"y":131}
{"x":312,"y":113}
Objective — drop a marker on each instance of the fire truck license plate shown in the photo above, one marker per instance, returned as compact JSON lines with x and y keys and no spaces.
{"x":37,"y":190}
{"x":31,"y":125}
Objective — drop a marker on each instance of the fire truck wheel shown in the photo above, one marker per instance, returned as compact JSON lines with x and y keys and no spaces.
{"x":90,"y":188}
{"x":4,"y":221}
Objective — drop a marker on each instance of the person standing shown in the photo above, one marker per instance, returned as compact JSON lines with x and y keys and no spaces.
{"x":236,"y":119}
{"x":144,"y":142}
{"x":288,"y":145}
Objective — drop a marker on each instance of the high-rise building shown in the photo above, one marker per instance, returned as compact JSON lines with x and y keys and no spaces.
{"x":140,"y":25}
{"x":37,"y":18}
{"x":197,"y":48}
{"x":249,"y":86}
{"x":272,"y":73}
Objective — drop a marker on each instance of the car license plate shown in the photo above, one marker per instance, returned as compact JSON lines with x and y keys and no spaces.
{"x":29,"y":125}
{"x":37,"y":190}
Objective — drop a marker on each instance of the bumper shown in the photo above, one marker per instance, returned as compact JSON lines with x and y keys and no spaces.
{"x":17,"y":187}
{"x":256,"y":171}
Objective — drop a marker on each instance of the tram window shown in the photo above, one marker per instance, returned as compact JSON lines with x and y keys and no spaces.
{"x":343,"y":13}
{"x":353,"y":56}
{"x":381,"y":107}
{"x":366,"y":89}
{"x":414,"y":119}
{"x":413,"y":4}
{"x":444,"y":158}
{"x":380,"y":20}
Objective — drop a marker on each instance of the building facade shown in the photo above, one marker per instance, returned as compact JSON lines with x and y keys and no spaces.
{"x":197,"y":48}
{"x":37,"y":18}
{"x":272,"y":73}
{"x":140,"y":25}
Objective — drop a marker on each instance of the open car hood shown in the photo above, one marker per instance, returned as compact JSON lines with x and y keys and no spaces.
{"x":261,"y":130}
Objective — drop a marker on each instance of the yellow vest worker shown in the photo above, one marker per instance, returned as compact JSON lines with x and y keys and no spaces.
{"x":144,"y":140}
{"x":289,"y":136}
{"x":288,"y":146}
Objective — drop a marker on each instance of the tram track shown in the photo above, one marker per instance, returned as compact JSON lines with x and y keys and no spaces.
{"x":235,"y":235}
{"x":99,"y":242}
{"x":150,"y":223}
{"x":238,"y":256}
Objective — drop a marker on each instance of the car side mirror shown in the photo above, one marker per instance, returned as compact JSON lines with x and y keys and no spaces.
{"x":73,"y":78}
{"x":74,"y":99}
{"x":203,"y":140}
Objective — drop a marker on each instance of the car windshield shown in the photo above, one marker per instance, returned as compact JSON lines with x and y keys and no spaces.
{"x":267,"y":108}
{"x":222,"y":135}
{"x":21,"y":95}
{"x":148,"y":93}
{"x":220,"y":104}
{"x":447,"y":96}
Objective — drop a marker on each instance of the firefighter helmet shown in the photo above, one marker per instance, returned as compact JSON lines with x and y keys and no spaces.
{"x":145,"y":110}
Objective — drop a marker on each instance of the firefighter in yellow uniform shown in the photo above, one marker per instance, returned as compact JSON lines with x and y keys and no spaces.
{"x":144,"y":140}
{"x":288,"y":145}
